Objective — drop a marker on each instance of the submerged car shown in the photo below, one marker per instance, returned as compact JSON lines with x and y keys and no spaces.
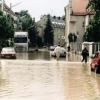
{"x":62,"y":52}
{"x":8,"y":52}
{"x":52,"y":47}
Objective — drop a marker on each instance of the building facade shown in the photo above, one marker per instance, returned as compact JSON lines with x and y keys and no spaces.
{"x":76,"y":18}
{"x":7,"y":11}
{"x":58,"y":26}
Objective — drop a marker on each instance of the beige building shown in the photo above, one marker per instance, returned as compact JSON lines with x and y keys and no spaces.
{"x":58,"y":26}
{"x":76,"y":18}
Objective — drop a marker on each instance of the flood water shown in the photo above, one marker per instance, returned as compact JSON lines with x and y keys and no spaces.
{"x":47,"y":80}
{"x":37,"y":76}
{"x":45,"y":55}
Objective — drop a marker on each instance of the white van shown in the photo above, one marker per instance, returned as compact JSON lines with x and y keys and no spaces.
{"x":21,"y":41}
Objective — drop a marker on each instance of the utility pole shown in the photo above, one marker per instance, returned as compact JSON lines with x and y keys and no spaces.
{"x":11,"y":6}
{"x":2,"y":4}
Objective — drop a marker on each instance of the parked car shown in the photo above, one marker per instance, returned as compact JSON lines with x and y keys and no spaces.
{"x":62,"y":52}
{"x":52,"y":47}
{"x":94,"y":61}
{"x":8,"y":52}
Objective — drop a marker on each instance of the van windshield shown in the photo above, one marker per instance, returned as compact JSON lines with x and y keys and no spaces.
{"x":20,"y":40}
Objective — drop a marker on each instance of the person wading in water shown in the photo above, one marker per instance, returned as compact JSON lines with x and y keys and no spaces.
{"x":85,"y":54}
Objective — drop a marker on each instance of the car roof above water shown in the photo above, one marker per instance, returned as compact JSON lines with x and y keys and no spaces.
{"x":8,"y":48}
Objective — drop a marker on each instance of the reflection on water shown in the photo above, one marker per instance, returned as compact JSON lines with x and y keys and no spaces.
{"x":73,"y":57}
{"x":46,"y":80}
{"x":37,"y":55}
{"x":45,"y":55}
{"x":34,"y":55}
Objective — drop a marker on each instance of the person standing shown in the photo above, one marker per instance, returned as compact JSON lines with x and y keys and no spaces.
{"x":85,"y":54}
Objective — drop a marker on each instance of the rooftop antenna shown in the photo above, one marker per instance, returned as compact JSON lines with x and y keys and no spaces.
{"x":11,"y":6}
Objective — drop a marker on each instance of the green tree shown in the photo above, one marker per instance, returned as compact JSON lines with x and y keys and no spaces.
{"x":26,"y":20}
{"x":39,"y":41}
{"x":33,"y":34}
{"x":6,"y":28}
{"x":48,"y":33}
{"x":93,"y":29}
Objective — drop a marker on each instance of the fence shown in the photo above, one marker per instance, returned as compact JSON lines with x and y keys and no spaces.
{"x":93,"y":47}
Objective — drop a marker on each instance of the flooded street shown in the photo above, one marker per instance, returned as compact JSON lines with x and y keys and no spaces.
{"x":36,"y":76}
{"x":41,"y":54}
{"x":44,"y":54}
{"x":46,"y":80}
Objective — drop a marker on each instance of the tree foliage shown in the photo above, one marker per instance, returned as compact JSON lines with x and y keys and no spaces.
{"x":39,"y":41}
{"x":93,"y":29}
{"x":26,"y":19}
{"x":33,"y":34}
{"x":35,"y":39}
{"x":48,"y":32}
{"x":94,"y":5}
{"x":6,"y":28}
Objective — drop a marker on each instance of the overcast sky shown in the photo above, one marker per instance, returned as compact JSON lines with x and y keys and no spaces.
{"x":39,"y":7}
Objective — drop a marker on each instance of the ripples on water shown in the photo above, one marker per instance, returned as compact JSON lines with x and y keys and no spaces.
{"x":34,"y":55}
{"x":39,"y":77}
{"x":46,"y":80}
{"x":45,"y":55}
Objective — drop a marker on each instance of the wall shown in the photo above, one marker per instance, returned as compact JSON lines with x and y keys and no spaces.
{"x":77,"y":26}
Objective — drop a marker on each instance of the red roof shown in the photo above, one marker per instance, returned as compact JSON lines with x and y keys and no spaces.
{"x":79,"y":6}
